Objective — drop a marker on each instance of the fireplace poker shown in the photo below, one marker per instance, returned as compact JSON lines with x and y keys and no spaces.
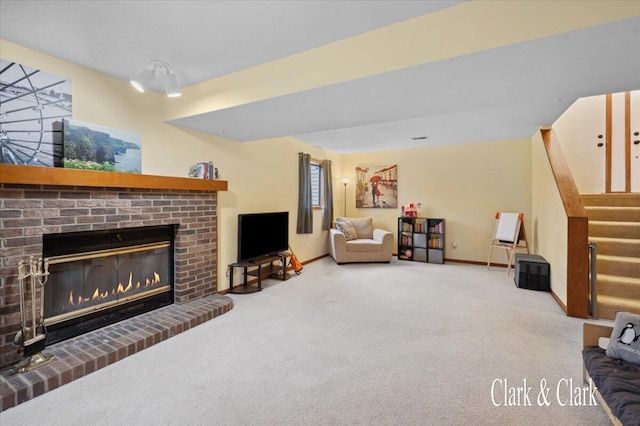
{"x":22,"y":335}
{"x":32,"y":345}
{"x":42,"y":282}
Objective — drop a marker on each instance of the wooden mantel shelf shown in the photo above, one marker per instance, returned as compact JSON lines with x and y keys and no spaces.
{"x":34,"y":175}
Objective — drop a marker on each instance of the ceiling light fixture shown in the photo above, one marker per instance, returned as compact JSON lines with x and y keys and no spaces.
{"x":161,"y":73}
{"x":143,"y":80}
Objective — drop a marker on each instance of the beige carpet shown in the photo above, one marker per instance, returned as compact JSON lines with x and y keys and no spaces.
{"x":400,"y":344}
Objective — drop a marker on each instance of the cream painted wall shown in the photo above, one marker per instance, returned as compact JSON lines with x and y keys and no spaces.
{"x":107,"y":101}
{"x":262,"y":176}
{"x":577,"y":130}
{"x":549,"y":234}
{"x":465,"y":184}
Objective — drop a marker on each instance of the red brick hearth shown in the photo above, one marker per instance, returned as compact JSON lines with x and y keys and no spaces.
{"x":92,"y":351}
{"x":28,"y":211}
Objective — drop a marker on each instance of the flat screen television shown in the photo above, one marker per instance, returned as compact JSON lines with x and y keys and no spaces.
{"x":262,"y":234}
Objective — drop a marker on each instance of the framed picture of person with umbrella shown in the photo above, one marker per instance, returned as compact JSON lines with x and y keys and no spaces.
{"x":377,"y":186}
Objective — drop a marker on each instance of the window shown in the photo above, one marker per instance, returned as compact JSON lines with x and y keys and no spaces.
{"x":316,"y":185}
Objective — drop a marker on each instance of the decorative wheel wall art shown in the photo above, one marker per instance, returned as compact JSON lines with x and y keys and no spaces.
{"x":33,"y":104}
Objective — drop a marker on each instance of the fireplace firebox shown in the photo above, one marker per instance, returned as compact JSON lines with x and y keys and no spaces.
{"x":101,"y":277}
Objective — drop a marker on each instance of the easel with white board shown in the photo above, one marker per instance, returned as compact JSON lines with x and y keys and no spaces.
{"x":509,"y":233}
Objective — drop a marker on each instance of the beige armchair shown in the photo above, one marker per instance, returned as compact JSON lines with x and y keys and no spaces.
{"x":356,"y":240}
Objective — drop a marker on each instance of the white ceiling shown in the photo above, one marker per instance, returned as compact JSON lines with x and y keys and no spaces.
{"x":501,"y":93}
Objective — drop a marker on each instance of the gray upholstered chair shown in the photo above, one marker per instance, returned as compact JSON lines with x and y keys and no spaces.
{"x":356,"y":240}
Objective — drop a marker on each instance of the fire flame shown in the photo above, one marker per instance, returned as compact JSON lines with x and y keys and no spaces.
{"x":118,"y":290}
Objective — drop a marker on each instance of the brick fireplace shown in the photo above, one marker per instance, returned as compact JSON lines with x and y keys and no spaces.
{"x":32,"y":209}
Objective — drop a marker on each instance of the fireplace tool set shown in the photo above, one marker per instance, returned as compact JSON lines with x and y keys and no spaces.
{"x":31,"y":339}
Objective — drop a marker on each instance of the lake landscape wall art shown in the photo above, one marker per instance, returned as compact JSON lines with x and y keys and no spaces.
{"x":94,"y":147}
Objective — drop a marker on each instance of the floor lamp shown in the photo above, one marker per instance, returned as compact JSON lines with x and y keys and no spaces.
{"x":345,"y":181}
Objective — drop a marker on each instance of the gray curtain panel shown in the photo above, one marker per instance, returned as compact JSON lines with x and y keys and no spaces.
{"x":327,"y":179}
{"x":305,"y":207}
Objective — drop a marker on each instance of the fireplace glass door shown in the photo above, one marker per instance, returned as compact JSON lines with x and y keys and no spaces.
{"x":98,"y":278}
{"x":95,"y":281}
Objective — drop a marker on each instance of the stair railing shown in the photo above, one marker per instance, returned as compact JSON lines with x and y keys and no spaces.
{"x":593,"y":279}
{"x":577,"y":228}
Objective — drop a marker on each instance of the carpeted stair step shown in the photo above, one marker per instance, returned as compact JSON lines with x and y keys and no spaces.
{"x":613,"y":214}
{"x":619,"y":265}
{"x":620,"y":200}
{"x":614,"y":224}
{"x":610,"y":229}
{"x":609,"y":305}
{"x":617,"y":246}
{"x":618,"y":286}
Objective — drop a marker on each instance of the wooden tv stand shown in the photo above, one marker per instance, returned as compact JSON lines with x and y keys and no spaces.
{"x":261,"y":268}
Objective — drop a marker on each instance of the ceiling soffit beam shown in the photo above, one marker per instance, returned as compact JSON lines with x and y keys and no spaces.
{"x":459,"y":30}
